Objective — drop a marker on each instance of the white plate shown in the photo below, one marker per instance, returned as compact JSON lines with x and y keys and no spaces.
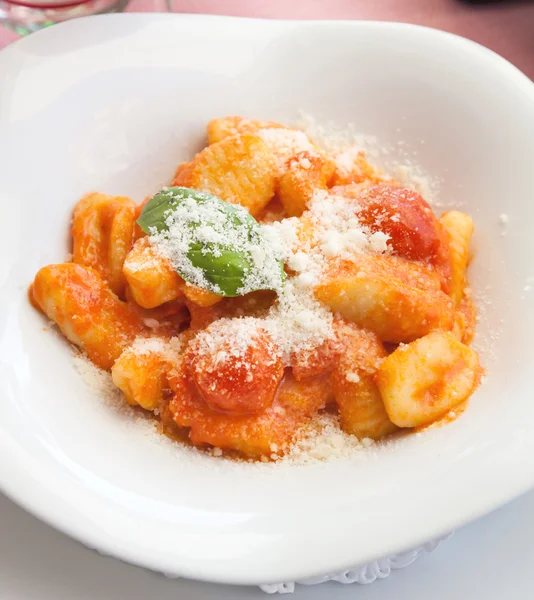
{"x":114,"y":103}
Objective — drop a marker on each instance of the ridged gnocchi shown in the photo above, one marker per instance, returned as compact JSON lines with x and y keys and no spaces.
{"x":102,"y":235}
{"x":88,"y":313}
{"x":240,"y":169}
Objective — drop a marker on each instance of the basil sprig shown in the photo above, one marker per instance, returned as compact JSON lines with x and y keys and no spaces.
{"x":227,"y":265}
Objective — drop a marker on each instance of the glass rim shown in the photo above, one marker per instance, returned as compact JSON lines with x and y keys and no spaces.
{"x":46,"y":4}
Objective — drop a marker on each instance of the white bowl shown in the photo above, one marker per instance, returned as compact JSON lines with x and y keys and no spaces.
{"x":114,"y":103}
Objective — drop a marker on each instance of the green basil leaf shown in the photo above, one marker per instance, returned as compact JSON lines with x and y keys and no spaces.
{"x":212,"y":242}
{"x":225,"y":271}
{"x":158,"y":207}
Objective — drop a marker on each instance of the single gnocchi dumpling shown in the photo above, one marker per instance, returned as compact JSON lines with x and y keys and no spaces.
{"x":398,"y":300}
{"x":102,"y":235}
{"x":422,"y":381}
{"x":283,"y":141}
{"x":240,"y":169}
{"x":459,"y":228}
{"x":87,"y":311}
{"x":140,"y":371}
{"x":151,"y":278}
{"x":360,"y":404}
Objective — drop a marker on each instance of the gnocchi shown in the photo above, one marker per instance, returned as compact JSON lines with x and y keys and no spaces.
{"x":274,"y":284}
{"x":240,"y":169}
{"x":102,"y":234}
{"x":422,"y":381}
{"x":303,"y":176}
{"x":87,"y":311}
{"x":459,"y":228}
{"x":359,"y":401}
{"x":392,"y":298}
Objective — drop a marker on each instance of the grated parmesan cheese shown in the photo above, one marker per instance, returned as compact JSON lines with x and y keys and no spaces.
{"x":142,"y":345}
{"x":227,"y":337}
{"x":332,"y":230}
{"x":296,"y":323}
{"x":285,"y":143}
{"x":322,"y":440}
{"x":394,"y":160}
{"x":99,"y":382}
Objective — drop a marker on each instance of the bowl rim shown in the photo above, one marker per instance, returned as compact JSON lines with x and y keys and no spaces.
{"x":25,"y":490}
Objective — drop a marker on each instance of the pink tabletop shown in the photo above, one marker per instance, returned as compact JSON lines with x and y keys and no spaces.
{"x":506,"y":27}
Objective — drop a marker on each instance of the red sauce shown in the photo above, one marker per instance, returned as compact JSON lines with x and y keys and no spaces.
{"x":253,"y":435}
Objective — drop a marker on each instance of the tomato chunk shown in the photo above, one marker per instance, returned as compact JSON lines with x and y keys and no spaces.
{"x":402,"y":214}
{"x":233,"y":375}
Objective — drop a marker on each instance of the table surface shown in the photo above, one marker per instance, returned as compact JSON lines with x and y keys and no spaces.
{"x":489,"y":559}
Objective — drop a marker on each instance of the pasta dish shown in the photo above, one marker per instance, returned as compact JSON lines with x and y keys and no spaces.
{"x":271,"y":282}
